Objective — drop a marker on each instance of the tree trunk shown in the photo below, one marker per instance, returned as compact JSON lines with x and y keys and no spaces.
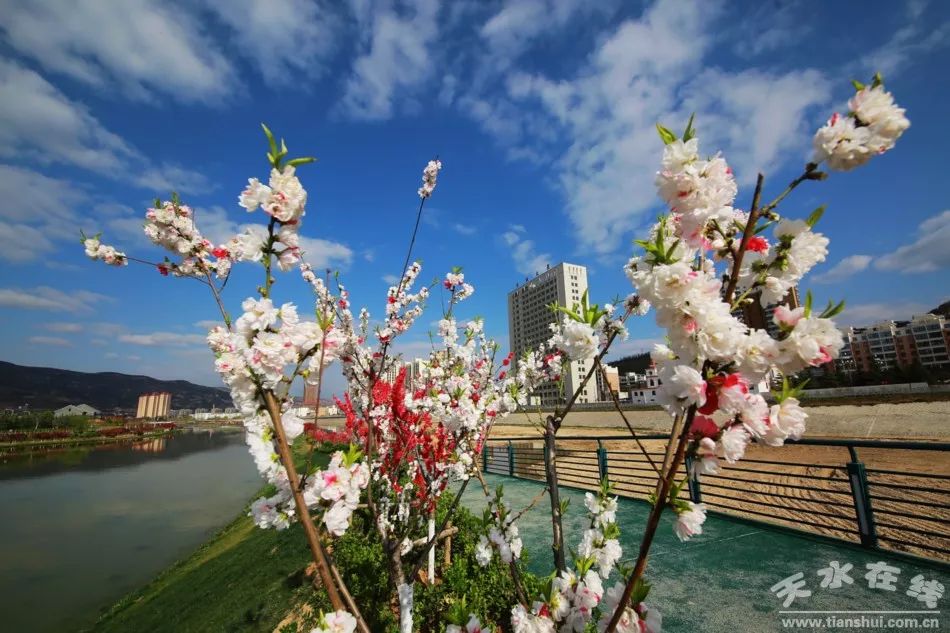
{"x":550,"y":471}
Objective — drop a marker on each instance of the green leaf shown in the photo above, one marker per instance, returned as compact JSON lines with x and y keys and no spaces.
{"x":815,"y":216}
{"x":690,"y":132}
{"x":303,"y":160}
{"x":641,"y":589}
{"x":858,"y":86}
{"x":808,"y":302}
{"x":832,"y":310}
{"x":270,"y":141}
{"x":666,"y":135}
{"x":878,"y":80}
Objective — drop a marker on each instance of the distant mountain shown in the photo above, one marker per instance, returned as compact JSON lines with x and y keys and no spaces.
{"x":48,"y":388}
{"x":943,"y":309}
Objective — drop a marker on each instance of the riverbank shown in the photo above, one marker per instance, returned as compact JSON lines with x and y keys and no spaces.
{"x":86,"y":524}
{"x":65,"y":442}
{"x":242,"y":579}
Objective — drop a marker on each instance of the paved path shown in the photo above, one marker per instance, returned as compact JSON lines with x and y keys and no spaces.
{"x":721,"y":580}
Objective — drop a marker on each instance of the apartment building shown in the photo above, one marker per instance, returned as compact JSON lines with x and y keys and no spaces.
{"x":530,"y":317}
{"x":892,"y":344}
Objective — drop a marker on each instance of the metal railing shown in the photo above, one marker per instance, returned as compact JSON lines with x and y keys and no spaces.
{"x":894,"y":495}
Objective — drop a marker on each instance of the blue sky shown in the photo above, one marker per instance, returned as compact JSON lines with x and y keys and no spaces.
{"x":542,"y":112}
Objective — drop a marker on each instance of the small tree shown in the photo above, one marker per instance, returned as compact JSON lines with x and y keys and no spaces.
{"x":699,"y":265}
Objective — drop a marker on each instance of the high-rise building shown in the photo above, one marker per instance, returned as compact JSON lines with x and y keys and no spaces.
{"x":530,"y":317}
{"x":154,"y":405}
{"x":310,"y":395}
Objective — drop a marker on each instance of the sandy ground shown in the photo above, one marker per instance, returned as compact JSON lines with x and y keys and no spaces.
{"x":912,"y":420}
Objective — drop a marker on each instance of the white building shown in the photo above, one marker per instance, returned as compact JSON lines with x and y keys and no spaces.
{"x":76,"y":409}
{"x":529,"y":318}
{"x":641,"y":388}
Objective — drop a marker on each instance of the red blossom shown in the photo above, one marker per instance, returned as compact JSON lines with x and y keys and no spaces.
{"x":703,"y":427}
{"x":757,"y":244}
{"x":163,"y":269}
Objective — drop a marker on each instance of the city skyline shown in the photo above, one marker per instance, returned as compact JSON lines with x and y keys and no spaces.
{"x":544,"y":120}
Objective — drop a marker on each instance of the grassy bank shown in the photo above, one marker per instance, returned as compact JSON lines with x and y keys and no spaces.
{"x":242,"y":579}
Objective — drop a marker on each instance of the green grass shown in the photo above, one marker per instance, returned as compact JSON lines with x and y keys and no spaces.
{"x":223,"y":586}
{"x":243,"y":579}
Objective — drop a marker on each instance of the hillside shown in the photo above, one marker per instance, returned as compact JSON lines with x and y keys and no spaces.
{"x":636,"y":362}
{"x":49,"y":388}
{"x":942,"y":310}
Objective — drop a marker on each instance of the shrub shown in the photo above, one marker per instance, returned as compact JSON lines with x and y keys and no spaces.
{"x":485,"y":590}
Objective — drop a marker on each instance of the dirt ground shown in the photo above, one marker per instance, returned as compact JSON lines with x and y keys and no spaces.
{"x":907,"y":420}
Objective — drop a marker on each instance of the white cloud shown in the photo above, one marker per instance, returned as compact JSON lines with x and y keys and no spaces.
{"x":208,"y":324}
{"x":912,"y":41}
{"x":929,"y":252}
{"x":632,"y":346}
{"x":392,"y":280}
{"x":520,"y":23}
{"x":63,"y":326}
{"x":286,"y":40}
{"x":49,"y":207}
{"x":39,"y":122}
{"x":165,"y":178}
{"x":395,"y":59}
{"x":528,"y":261}
{"x":869,"y":313}
{"x":847,"y":267}
{"x":162,"y":339}
{"x":596,"y":126}
{"x":52,"y":299}
{"x":141,"y":46}
{"x":464,"y":229}
{"x":22,"y":243}
{"x":49,"y":340}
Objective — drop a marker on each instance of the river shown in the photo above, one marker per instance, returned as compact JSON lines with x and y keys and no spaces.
{"x":80,"y":528}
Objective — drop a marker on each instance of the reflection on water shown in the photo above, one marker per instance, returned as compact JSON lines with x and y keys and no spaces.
{"x":82,"y":526}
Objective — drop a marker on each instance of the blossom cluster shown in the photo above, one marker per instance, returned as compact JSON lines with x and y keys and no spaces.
{"x":502,"y":534}
{"x":871,"y":127}
{"x":713,"y":359}
{"x":429,"y":176}
{"x":283,"y":200}
{"x":339,"y":621}
{"x":254,"y":357}
{"x":575,"y":599}
{"x":171,"y":225}
{"x":108,"y":254}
